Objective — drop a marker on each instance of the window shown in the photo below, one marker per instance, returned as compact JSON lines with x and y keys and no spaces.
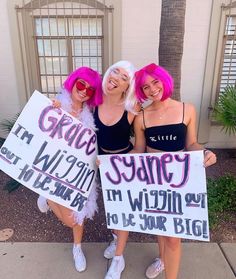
{"x":227,"y":74}
{"x":64,"y":44}
{"x":59,"y":36}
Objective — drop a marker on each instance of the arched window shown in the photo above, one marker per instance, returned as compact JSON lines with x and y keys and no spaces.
{"x":59,"y":36}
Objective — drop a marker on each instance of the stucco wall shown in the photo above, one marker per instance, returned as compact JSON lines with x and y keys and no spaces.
{"x":197,"y":27}
{"x":197,"y":20}
{"x":140,"y":32}
{"x":9,"y":101}
{"x":139,"y":36}
{"x":218,"y":139}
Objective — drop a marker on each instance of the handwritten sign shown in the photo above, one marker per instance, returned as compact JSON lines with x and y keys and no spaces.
{"x":51,"y":153}
{"x":161,"y":194}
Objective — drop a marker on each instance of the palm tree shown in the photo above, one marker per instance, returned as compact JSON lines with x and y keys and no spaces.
{"x":172,"y":38}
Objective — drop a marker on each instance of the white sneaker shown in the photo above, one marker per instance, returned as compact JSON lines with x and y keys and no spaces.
{"x":116,"y":267}
{"x":79,"y":258}
{"x":42,"y":204}
{"x":155,"y":268}
{"x":109,"y":252}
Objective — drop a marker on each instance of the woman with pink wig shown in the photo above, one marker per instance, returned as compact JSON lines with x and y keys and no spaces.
{"x":165,"y":125}
{"x":80,"y":93}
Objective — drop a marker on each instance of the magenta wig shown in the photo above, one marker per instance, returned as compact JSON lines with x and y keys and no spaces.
{"x":90,"y":76}
{"x":156,"y":72}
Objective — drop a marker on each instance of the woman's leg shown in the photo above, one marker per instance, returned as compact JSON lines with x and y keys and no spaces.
{"x":118,"y":262}
{"x":79,"y":258}
{"x":161,"y":244}
{"x":78,"y":233}
{"x":65,"y":215}
{"x":122,"y":237}
{"x":109,"y":252}
{"x":55,"y":208}
{"x":172,"y":255}
{"x":157,"y":266}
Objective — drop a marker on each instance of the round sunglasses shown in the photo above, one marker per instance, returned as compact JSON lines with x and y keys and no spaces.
{"x":117,"y":72}
{"x":80,"y":85}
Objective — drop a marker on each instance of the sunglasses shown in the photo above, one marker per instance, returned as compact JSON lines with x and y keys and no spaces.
{"x":116,"y":72}
{"x":80,"y":85}
{"x":149,"y":69}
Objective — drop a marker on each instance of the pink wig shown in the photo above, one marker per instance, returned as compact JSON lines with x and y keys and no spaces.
{"x":156,"y":72}
{"x":90,"y":76}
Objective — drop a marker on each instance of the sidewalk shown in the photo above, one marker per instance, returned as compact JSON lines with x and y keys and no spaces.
{"x":54,"y":261}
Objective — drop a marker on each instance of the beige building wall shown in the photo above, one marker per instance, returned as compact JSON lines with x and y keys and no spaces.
{"x":136,"y":38}
{"x":140,"y":31}
{"x":209,"y":132}
{"x":197,"y":20}
{"x":9,"y":97}
{"x":217,"y":137}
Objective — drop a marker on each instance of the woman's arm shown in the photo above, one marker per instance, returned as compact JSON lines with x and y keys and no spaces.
{"x":131,"y":115}
{"x":140,"y":142}
{"x":191,"y":143}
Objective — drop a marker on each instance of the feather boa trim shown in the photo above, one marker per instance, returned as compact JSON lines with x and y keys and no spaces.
{"x":90,"y":207}
{"x":85,"y":116}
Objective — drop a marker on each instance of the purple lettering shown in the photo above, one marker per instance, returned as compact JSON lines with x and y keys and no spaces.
{"x":185,"y":172}
{"x":116,"y":169}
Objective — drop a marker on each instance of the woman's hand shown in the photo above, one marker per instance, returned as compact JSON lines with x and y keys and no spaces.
{"x":98,"y":162}
{"x":209,"y":158}
{"x":56,"y":103}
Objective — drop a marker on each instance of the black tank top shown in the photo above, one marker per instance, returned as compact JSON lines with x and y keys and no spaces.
{"x":166,"y":137}
{"x":113,"y":137}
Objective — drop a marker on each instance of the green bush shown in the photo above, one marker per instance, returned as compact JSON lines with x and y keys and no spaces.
{"x":221,"y":197}
{"x":225,"y":110}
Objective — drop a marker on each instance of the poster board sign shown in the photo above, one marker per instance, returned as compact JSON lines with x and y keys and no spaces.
{"x":52,"y":153}
{"x":159,"y":193}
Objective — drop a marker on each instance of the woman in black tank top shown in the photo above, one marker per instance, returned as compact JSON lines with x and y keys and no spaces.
{"x":113,"y":119}
{"x":164,"y":125}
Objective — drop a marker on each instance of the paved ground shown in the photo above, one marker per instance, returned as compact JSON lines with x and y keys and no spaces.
{"x":54,"y":261}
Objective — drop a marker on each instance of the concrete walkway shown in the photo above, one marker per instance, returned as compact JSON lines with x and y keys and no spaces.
{"x":54,"y":261}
